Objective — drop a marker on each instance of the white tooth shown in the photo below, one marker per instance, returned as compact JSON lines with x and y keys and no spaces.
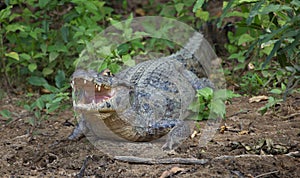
{"x":99,"y":88}
{"x":84,"y":81}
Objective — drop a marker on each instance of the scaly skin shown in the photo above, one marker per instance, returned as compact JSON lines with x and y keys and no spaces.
{"x":149,"y":100}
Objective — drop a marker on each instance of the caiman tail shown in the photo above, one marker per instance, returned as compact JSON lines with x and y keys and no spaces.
{"x":197,"y":55}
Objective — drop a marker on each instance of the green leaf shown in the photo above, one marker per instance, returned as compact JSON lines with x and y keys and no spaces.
{"x":194,"y":106}
{"x":14,"y":27}
{"x":51,"y":88}
{"x":204,"y":15}
{"x":296,"y":3}
{"x":4,"y":13}
{"x":283,"y":87}
{"x":114,"y":68}
{"x":31,"y":121}
{"x":117,"y":24}
{"x":25,"y":56}
{"x":48,"y":97}
{"x":272,"y":53}
{"x":240,"y":56}
{"x":64,"y":33}
{"x":37,"y":81}
{"x":225,"y":11}
{"x":13,"y":55}
{"x":273,"y":8}
{"x":40,"y":103}
{"x":276,"y":91}
{"x":33,"y":34}
{"x":237,"y":14}
{"x":179,"y":7}
{"x":218,"y":107}
{"x":52,"y":107}
{"x":43,"y":3}
{"x":60,"y":79}
{"x":27,"y":107}
{"x":254,"y":11}
{"x":198,"y":5}
{"x":47,"y":71}
{"x":53,"y":56}
{"x":128,"y":61}
{"x":32,"y":67}
{"x":5,"y":113}
{"x":37,"y":114}
{"x":245,"y":38}
{"x":205,"y":92}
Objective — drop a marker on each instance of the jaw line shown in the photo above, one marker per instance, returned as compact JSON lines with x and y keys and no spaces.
{"x":102,"y":107}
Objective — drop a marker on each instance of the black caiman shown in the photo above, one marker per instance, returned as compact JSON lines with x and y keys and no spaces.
{"x":147,"y":101}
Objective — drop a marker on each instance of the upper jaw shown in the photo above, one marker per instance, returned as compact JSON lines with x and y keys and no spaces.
{"x":90,"y":94}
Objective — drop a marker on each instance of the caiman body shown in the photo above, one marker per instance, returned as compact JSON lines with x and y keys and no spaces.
{"x":149,"y":100}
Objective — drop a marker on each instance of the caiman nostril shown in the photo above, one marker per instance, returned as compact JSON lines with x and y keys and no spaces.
{"x":108,"y":105}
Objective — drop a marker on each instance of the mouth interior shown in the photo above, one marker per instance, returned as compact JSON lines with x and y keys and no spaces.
{"x":87,"y":92}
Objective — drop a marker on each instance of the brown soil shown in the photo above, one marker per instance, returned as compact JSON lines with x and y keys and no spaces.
{"x":250,"y":146}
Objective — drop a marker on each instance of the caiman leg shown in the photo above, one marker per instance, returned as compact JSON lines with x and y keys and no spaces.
{"x":175,"y":137}
{"x":197,"y":83}
{"x":79,"y":130}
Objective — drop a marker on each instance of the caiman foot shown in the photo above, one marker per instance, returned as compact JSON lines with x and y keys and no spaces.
{"x":176,"y":136}
{"x":78,"y":131}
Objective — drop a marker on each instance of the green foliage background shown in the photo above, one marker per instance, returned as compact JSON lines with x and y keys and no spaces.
{"x":40,"y":40}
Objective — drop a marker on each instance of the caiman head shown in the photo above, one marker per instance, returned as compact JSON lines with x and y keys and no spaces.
{"x":101,"y":92}
{"x":113,"y":99}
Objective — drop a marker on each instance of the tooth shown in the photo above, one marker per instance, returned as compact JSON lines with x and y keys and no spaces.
{"x":99,"y":88}
{"x":84,"y":81}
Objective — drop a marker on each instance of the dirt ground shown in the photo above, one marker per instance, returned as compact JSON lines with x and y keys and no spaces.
{"x":248,"y":145}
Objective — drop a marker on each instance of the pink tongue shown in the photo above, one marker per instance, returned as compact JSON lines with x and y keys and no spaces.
{"x":100,"y":99}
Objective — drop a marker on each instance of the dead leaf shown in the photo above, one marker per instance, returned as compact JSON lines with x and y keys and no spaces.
{"x":174,"y":170}
{"x":140,"y":11}
{"x":44,"y":91}
{"x":250,"y":66}
{"x":223,"y":128}
{"x":244,"y":132}
{"x":258,"y":99}
{"x":194,"y":134}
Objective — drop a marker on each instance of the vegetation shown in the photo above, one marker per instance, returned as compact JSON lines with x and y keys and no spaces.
{"x":39,"y":43}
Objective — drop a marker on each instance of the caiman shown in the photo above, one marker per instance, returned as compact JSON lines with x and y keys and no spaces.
{"x":147,"y":101}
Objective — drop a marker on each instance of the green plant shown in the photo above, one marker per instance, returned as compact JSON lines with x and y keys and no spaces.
{"x":6,"y":114}
{"x":267,"y":30}
{"x":271,"y":104}
{"x":39,"y":42}
{"x":48,"y":103}
{"x":251,"y":83}
{"x":210,"y":104}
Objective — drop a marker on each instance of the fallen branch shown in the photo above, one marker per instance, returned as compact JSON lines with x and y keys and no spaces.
{"x":289,"y":116}
{"x":138,"y":160}
{"x":240,"y":156}
{"x":265,"y":174}
{"x":295,"y":154}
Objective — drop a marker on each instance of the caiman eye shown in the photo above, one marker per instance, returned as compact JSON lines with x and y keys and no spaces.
{"x":107,"y":72}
